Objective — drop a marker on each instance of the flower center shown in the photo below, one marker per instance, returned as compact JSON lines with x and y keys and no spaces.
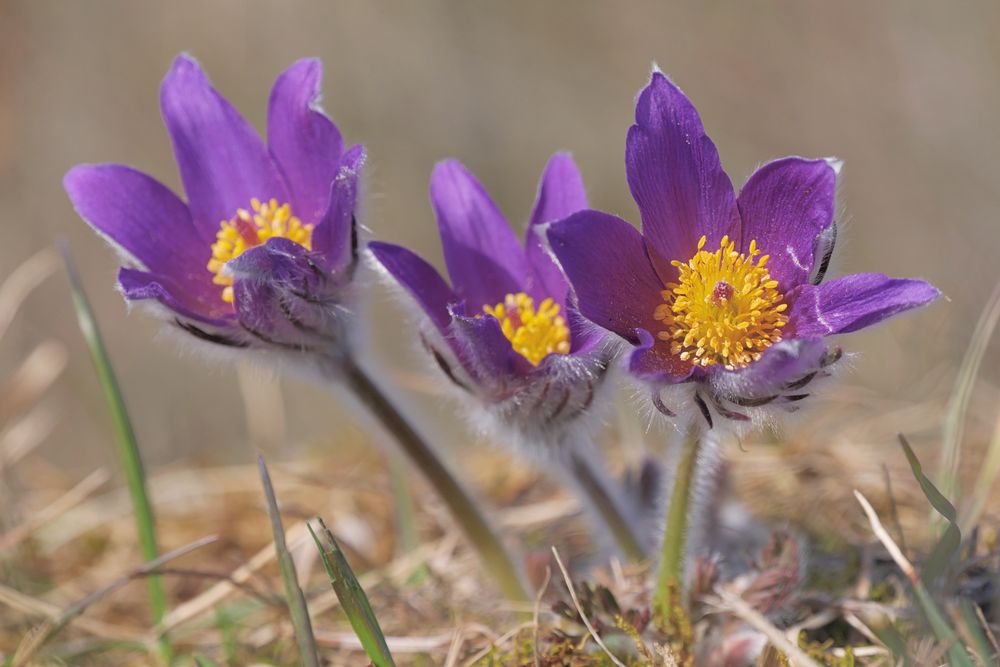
{"x":534,"y":334}
{"x":247,"y":229}
{"x":724,"y":308}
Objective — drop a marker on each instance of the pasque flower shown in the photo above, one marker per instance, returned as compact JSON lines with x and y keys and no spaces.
{"x":720,"y":289}
{"x":502,"y":331}
{"x":262,"y":252}
{"x":505,"y":334}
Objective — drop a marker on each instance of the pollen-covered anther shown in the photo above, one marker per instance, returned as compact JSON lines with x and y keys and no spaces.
{"x":248,"y":229}
{"x":534,"y":334}
{"x":724,"y":308}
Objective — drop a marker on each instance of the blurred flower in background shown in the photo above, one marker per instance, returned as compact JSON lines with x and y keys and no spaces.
{"x":263,"y":252}
{"x":503,"y":332}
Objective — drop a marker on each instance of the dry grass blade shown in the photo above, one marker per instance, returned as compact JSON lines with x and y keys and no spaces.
{"x":296,"y":600}
{"x":579,"y":610}
{"x":21,"y":438}
{"x":396,"y":644}
{"x":68,"y":500}
{"x":41,"y":634}
{"x":22,"y":281}
{"x":737,"y":606}
{"x":885,"y":538}
{"x":33,"y":378}
{"x":495,"y":642}
{"x":955,"y":420}
{"x":34,"y":607}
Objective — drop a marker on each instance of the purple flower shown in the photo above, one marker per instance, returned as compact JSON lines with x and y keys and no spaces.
{"x":720,"y":289}
{"x":262,"y":252}
{"x":502,"y":330}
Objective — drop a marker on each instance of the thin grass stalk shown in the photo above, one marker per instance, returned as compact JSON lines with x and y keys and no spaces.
{"x":127,"y":445}
{"x":352,"y":599}
{"x":297,"y":607}
{"x":606,"y":505}
{"x":973,"y":510}
{"x":460,"y":503}
{"x":959,"y":403}
{"x":668,"y":597}
{"x":407,"y":536}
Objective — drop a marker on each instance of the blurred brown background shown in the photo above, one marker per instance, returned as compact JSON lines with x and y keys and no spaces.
{"x":905,"y":92}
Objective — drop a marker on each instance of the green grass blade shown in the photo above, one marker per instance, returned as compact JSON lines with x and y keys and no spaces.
{"x":957,"y":655}
{"x":947,"y":547}
{"x":974,"y":631}
{"x":125,"y":440}
{"x":204,"y":661}
{"x":353,"y":600}
{"x":296,"y":600}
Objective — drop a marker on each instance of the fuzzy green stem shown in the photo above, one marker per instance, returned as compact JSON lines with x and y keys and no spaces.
{"x":461,"y":505}
{"x":607,"y":506}
{"x":668,"y":596}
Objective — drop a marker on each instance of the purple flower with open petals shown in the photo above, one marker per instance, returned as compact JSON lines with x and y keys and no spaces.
{"x":502,"y":331}
{"x":263,"y":251}
{"x":720,"y":289}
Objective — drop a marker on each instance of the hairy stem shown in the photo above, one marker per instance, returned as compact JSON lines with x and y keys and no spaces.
{"x":606,"y":502}
{"x":461,"y":505}
{"x":668,"y":596}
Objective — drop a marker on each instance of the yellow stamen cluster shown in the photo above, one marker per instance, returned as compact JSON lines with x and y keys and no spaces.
{"x":534,"y":334}
{"x":724,"y":308}
{"x":247,"y":229}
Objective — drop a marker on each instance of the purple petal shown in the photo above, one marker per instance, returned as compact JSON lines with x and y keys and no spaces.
{"x":785,"y":206}
{"x":780,"y":364}
{"x":482,"y":348}
{"x":418,"y":278}
{"x":605,"y":260}
{"x":854,"y":302}
{"x":652,"y":361}
{"x":142,"y":217}
{"x":676,"y":179}
{"x":485,"y":259}
{"x":560,"y":193}
{"x":335,"y":237}
{"x":305,"y":143}
{"x":222,"y":161}
{"x":136,"y":285}
{"x":154,"y":227}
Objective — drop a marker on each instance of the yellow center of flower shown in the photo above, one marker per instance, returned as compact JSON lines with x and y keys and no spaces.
{"x":247,"y":229}
{"x":534,"y":334}
{"x":724,"y":308}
